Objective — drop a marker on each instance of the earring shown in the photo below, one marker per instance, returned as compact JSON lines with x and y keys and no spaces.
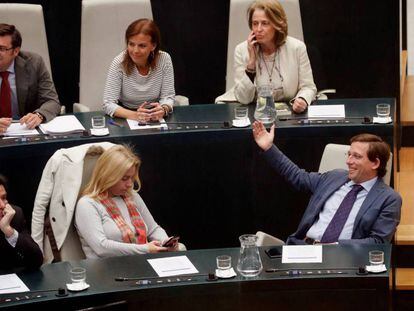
{"x":152,"y":54}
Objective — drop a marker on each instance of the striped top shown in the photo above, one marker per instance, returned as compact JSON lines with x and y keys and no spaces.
{"x":133,"y":90}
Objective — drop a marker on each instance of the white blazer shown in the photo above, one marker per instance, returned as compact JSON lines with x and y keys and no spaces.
{"x":58,"y":192}
{"x":295,"y":69}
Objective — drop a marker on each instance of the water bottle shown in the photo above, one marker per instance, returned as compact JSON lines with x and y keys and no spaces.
{"x":249,"y":264}
{"x":265,"y":106}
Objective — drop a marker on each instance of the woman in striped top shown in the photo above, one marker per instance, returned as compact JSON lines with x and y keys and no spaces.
{"x":140,"y":81}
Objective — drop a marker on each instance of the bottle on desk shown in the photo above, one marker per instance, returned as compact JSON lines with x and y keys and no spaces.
{"x":250,"y":263}
{"x":265,"y":105}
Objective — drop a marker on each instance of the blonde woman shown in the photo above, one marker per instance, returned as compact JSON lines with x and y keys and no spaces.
{"x":270,"y":57}
{"x":111,"y":218}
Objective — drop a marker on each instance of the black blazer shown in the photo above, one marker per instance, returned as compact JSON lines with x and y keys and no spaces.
{"x":27,"y":253}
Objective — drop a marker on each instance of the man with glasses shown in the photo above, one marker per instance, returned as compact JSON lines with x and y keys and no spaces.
{"x":27,"y":91}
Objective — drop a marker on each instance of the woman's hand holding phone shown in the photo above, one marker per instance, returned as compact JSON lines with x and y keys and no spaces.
{"x":150,"y":112}
{"x":156,"y":247}
{"x":252,"y":47}
{"x":171,"y":242}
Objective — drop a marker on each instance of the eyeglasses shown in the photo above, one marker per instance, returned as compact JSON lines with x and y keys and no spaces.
{"x":3,"y":49}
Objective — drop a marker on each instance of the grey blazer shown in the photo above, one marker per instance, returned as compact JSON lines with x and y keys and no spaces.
{"x":376,"y":220}
{"x":35,"y":89}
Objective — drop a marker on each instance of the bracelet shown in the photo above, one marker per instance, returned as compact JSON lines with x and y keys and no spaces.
{"x":40,"y":116}
{"x":250,"y":70}
{"x":166,"y":110}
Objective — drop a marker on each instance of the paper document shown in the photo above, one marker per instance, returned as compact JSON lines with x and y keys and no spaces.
{"x":17,"y":129}
{"x":326,"y":111}
{"x":67,"y":124}
{"x":169,"y":266}
{"x":134,"y":125}
{"x":11,"y":283}
{"x":302,"y":254}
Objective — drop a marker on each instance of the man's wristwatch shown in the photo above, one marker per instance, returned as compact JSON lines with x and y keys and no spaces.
{"x":40,"y":116}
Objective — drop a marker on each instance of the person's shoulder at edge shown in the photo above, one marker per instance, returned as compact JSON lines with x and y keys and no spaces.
{"x":85,"y":199}
{"x":241,"y":46}
{"x":119,"y":58}
{"x":29,"y":58}
{"x":164,"y":59}
{"x":294,"y":43}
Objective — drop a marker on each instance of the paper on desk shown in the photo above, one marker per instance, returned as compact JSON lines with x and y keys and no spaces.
{"x":17,"y":129}
{"x":11,"y":283}
{"x":302,"y":253}
{"x":326,"y":111}
{"x":133,"y":125}
{"x":67,"y":124}
{"x":169,"y":266}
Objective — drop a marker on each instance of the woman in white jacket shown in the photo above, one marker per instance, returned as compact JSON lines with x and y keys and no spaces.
{"x":270,"y":57}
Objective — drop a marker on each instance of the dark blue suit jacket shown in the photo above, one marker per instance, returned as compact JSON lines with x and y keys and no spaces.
{"x":376,"y":220}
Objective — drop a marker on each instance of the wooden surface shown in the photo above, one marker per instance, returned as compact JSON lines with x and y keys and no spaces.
{"x":407,"y":108}
{"x":404,"y":57}
{"x":405,"y":278}
{"x":404,"y":185}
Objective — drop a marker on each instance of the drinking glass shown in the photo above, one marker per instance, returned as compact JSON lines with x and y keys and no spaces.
{"x":376,"y":258}
{"x":98,"y":122}
{"x":383,"y":110}
{"x":77,"y":275}
{"x":240,"y":113}
{"x":223,"y":262}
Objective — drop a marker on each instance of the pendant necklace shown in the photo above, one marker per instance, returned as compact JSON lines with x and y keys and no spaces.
{"x":269,"y":72}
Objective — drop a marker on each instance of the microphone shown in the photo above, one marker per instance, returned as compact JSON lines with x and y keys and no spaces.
{"x":124,"y":279}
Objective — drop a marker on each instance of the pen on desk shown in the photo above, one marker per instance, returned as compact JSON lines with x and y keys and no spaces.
{"x":112,"y":122}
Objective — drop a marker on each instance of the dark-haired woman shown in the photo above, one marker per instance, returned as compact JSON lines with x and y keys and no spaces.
{"x":140,"y":81}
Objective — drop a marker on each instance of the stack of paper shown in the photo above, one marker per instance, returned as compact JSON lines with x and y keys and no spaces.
{"x":326,"y":112}
{"x":66,"y":124}
{"x":135,"y":125}
{"x":169,"y":266}
{"x":17,"y":129}
{"x":11,"y":283}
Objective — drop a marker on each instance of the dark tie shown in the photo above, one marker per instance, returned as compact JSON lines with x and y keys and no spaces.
{"x":337,"y":223}
{"x":5,"y":96}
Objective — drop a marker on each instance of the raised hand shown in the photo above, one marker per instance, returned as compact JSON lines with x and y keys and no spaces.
{"x":263,"y":138}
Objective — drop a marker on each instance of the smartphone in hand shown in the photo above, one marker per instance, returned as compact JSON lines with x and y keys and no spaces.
{"x":149,"y":106}
{"x":171,"y":241}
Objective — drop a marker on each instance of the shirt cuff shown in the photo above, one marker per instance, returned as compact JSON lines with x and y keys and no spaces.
{"x":13,"y":238}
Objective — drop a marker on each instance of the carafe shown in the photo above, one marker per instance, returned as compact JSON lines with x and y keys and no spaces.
{"x":249,"y":264}
{"x":265,"y":106}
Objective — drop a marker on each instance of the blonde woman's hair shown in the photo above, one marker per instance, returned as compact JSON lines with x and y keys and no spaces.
{"x":110,"y":168}
{"x":275,"y":13}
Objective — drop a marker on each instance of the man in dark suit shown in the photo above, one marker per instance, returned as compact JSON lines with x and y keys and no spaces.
{"x":353,"y":206}
{"x":27,"y":91}
{"x":17,"y":248}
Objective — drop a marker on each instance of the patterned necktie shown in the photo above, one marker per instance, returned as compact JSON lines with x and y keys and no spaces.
{"x":5,"y":96}
{"x":337,"y":223}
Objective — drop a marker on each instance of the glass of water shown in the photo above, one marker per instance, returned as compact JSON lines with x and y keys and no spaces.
{"x":98,"y":122}
{"x":383,"y":110}
{"x":265,"y":106}
{"x":78,"y":275}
